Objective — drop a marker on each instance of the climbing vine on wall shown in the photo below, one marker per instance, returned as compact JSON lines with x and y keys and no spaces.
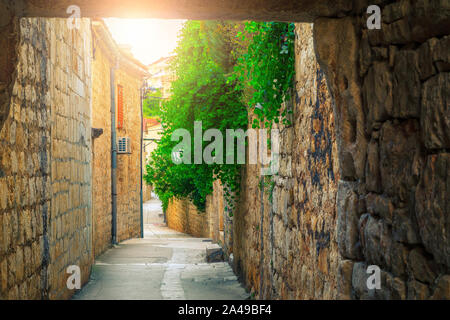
{"x":199,"y":93}
{"x":220,"y":67}
{"x":268,"y":69}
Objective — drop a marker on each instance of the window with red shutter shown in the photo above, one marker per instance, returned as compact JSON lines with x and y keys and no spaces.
{"x":119,"y":107}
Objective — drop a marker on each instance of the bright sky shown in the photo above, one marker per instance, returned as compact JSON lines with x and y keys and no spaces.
{"x":150,"y":39}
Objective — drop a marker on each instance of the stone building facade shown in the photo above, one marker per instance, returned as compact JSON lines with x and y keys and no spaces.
{"x":54,"y":204}
{"x":284,"y":242}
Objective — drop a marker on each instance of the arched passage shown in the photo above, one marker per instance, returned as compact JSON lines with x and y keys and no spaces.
{"x":390,"y":93}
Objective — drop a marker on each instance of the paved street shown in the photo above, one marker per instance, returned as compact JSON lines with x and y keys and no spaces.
{"x":166,"y":264}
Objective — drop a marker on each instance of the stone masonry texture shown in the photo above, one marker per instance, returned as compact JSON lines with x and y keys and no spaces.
{"x":101,"y":168}
{"x":284,"y":242}
{"x":107,"y":55}
{"x":49,"y":163}
{"x":183,"y":216}
{"x":45,"y":154}
{"x":391,"y":94}
{"x":128,"y":165}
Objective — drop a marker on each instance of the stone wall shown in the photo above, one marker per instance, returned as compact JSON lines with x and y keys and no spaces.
{"x":152,"y":130}
{"x":129,"y":165}
{"x":183,"y":216}
{"x":101,"y":160}
{"x":284,"y":239}
{"x":45,"y":202}
{"x":391,"y":89}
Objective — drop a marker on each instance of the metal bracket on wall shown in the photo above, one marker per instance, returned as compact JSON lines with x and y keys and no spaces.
{"x":96,"y":132}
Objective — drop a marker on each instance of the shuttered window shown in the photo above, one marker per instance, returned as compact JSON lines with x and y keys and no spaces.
{"x":119,"y":107}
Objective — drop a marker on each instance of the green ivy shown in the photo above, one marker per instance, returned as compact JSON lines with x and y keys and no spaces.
{"x":200,"y":93}
{"x":268,"y":69}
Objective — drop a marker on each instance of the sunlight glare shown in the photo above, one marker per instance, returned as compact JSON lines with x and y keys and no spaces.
{"x":150,"y":39}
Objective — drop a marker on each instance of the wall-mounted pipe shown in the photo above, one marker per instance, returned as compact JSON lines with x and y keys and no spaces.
{"x":113,"y":157}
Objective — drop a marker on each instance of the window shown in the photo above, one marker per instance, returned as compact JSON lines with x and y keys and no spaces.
{"x":119,"y":107}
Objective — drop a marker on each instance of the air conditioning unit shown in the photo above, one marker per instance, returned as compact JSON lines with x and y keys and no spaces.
{"x":124,"y":145}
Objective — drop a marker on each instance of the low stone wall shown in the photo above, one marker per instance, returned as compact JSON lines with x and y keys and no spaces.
{"x":183,"y":216}
{"x":101,"y":160}
{"x":146,"y":192}
{"x":284,"y":239}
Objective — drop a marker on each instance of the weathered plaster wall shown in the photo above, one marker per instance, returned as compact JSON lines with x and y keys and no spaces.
{"x":391,"y":89}
{"x":45,"y":202}
{"x":284,"y":239}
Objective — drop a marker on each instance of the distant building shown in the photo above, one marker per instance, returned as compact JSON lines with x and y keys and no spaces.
{"x":161,"y":76}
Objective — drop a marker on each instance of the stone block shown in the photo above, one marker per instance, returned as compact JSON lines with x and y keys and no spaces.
{"x":429,"y":19}
{"x":417,"y":290}
{"x":426,"y":65}
{"x":400,"y":158}
{"x":344,"y":282}
{"x":377,"y":93}
{"x":422,"y":269}
{"x":404,"y":226}
{"x":379,"y":205}
{"x":3,"y":275}
{"x":395,"y":11}
{"x":433,"y":205}
{"x":373,"y":178}
{"x":214,"y":253}
{"x":359,"y":280}
{"x":406,"y":85}
{"x":3,"y":194}
{"x":442,"y":289}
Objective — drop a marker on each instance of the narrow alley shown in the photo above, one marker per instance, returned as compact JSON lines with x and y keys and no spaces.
{"x":166,"y":264}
